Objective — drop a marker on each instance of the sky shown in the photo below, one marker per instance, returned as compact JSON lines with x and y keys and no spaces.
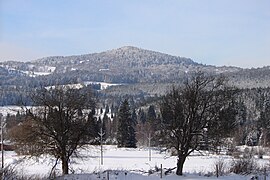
{"x":214,"y":32}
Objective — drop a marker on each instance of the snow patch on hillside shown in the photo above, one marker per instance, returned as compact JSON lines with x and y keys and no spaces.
{"x":102,"y":84}
{"x":32,"y":70}
{"x":39,"y":71}
{"x":35,"y":74}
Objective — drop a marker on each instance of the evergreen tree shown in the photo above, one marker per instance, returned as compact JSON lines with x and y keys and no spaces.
{"x":126,"y":131}
{"x":107,"y":126}
{"x":151,"y":118}
{"x":264,"y":124}
{"x":101,"y":124}
{"x":152,"y":125}
{"x":93,"y":126}
{"x":107,"y":109}
{"x":151,"y":114}
{"x":134,"y":116}
{"x":101,"y":111}
{"x":112,"y":109}
{"x":141,"y":116}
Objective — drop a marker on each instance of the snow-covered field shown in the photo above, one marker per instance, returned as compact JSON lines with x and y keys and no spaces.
{"x":122,"y":163}
{"x":4,"y":110}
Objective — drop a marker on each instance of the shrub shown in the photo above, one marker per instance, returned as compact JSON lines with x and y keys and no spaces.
{"x":219,"y":167}
{"x":260,"y":153}
{"x":244,"y":166}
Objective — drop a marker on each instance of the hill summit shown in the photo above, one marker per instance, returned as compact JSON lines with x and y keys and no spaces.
{"x":126,"y":65}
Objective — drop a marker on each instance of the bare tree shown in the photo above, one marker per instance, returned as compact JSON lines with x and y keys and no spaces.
{"x":187,"y":113}
{"x":58,"y":124}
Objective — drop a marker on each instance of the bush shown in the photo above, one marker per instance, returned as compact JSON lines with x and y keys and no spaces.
{"x":248,"y":153}
{"x":219,"y":167}
{"x":244,"y":166}
{"x":10,"y":173}
{"x":260,"y":153}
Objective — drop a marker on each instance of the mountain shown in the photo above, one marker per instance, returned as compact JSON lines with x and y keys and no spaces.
{"x":124,"y":65}
{"x":142,"y":71}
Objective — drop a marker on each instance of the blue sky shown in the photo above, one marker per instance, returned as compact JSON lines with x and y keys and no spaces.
{"x":216,"y":32}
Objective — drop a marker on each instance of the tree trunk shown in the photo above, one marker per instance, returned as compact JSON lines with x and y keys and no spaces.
{"x":64,"y":165}
{"x":180,"y":164}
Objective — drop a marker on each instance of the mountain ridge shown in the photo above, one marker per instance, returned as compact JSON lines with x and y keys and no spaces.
{"x":127,"y":64}
{"x":125,"y":50}
{"x":140,"y":72}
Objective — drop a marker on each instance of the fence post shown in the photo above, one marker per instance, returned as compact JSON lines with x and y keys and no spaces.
{"x":264,"y":173}
{"x":217,"y":170}
{"x":161,"y":171}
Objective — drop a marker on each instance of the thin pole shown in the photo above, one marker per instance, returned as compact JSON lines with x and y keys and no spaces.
{"x":161,"y":171}
{"x":2,"y":143}
{"x":149,"y":145}
{"x":101,"y":134}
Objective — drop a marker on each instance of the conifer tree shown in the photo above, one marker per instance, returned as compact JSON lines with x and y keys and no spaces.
{"x":134,"y":116}
{"x":141,"y":116}
{"x":93,"y":125}
{"x":151,"y":118}
{"x":107,"y":109}
{"x":264,"y":124}
{"x":126,"y":131}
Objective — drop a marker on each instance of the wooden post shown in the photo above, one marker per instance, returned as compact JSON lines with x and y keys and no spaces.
{"x":217,"y":171}
{"x":161,"y":171}
{"x":264,"y":173}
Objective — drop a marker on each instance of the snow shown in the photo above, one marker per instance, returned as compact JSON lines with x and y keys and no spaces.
{"x":4,"y":110}
{"x":121,"y":163}
{"x":102,"y":84}
{"x":35,"y":74}
{"x":103,"y":69}
{"x":40,"y":71}
{"x":71,"y":86}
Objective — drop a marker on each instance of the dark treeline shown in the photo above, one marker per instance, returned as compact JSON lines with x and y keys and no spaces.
{"x":252,"y":107}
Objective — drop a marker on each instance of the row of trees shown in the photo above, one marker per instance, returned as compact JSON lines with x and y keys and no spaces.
{"x":202,"y":112}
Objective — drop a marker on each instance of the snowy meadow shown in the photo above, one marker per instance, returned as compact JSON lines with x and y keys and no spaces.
{"x":126,"y":163}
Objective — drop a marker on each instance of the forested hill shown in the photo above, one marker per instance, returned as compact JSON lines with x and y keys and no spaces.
{"x":124,"y":65}
{"x":142,"y":71}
